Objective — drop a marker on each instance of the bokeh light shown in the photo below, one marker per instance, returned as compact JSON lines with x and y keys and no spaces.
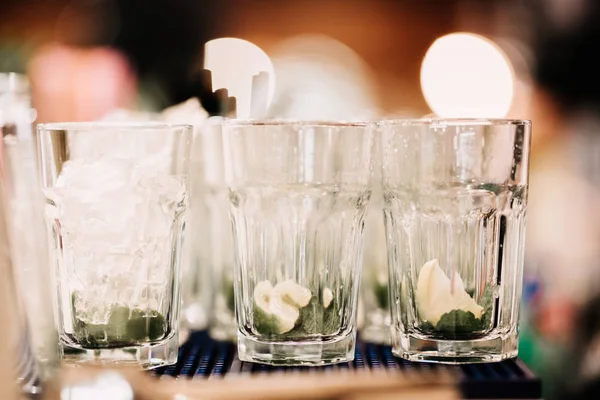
{"x":80,"y":84}
{"x":235,"y":65}
{"x":319,"y":77}
{"x":467,"y":75}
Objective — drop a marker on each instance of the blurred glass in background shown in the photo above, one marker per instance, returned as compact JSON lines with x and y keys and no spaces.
{"x":26,"y":235}
{"x":9,"y":312}
{"x":242,"y":76}
{"x":211,"y":238}
{"x":374,"y":304}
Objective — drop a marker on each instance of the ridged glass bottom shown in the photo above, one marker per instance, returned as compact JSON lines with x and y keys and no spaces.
{"x":309,"y":353}
{"x":414,"y":347}
{"x":146,"y":356}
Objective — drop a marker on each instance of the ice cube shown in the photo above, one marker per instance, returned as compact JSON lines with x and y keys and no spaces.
{"x":114,"y":218}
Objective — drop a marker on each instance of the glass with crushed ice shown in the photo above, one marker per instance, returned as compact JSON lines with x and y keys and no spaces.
{"x":116,"y":196}
{"x":299,"y":193}
{"x":455,"y":200}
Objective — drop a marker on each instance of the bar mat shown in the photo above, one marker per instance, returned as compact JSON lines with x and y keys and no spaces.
{"x":203,"y":357}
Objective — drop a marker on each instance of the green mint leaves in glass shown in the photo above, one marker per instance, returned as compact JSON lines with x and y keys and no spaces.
{"x":116,"y":201}
{"x":298,"y":194}
{"x":455,"y":201}
{"x":292,"y":310}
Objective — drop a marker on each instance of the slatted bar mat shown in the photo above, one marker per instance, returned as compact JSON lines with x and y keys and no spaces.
{"x":202,"y":356}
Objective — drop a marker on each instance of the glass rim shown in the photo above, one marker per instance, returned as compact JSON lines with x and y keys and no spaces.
{"x":103,"y":125}
{"x":297,"y":122}
{"x":455,"y":122}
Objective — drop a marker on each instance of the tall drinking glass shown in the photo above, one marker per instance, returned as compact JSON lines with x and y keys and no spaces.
{"x":26,"y":234}
{"x":24,"y":367}
{"x":116,"y":196}
{"x":12,"y":359}
{"x":455,"y":203}
{"x":299,"y":192}
{"x":211,"y":240}
{"x":196,"y":301}
{"x":375,"y":283}
{"x":217,"y":237}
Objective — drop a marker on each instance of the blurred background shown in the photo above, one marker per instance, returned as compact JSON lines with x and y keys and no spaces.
{"x":365,"y":59}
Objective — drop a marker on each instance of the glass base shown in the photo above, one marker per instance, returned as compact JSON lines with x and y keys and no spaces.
{"x":377,"y":328}
{"x":309,"y":353}
{"x":147,"y":356}
{"x":415,"y":347}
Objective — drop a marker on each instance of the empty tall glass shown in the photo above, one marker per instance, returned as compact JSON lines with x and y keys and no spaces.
{"x":211,"y":279}
{"x":116,"y":196}
{"x":299,"y":193}
{"x":217,"y":237}
{"x":455,"y":199}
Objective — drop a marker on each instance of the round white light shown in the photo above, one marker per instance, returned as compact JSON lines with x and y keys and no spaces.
{"x":465,"y":75}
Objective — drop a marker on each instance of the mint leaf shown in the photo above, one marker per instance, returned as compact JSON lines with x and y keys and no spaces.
{"x":263,"y":323}
{"x":427,"y":326}
{"x":229,"y":295}
{"x":318,"y":320}
{"x":381,"y":292}
{"x":146,"y":325}
{"x":314,"y":319}
{"x":492,"y":187}
{"x":117,"y":323}
{"x":458,"y":321}
{"x":310,"y":318}
{"x":332,"y":319}
{"x":125,"y":327}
